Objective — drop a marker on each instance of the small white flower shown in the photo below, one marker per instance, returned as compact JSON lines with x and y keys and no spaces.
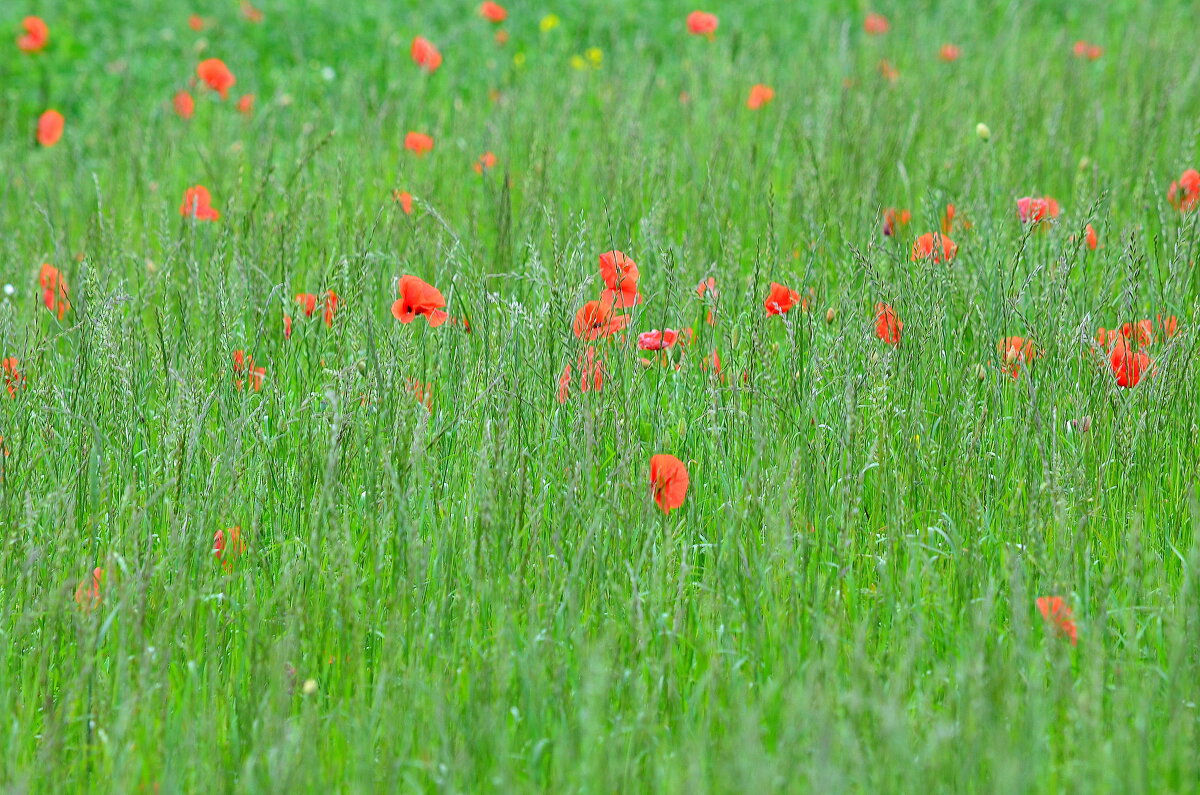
{"x":328,"y":73}
{"x":9,"y":289}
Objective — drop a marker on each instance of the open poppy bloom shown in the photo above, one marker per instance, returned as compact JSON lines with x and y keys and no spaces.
{"x":418,"y":298}
{"x":876,"y":24}
{"x":425,"y":55}
{"x":657,"y":340}
{"x":888,"y":325}
{"x":418,"y":143}
{"x":591,"y":374}
{"x":1033,"y":210}
{"x":1056,"y":613}
{"x":1128,"y":366}
{"x":331,"y":303}
{"x":1184,"y":193}
{"x":893,"y":219}
{"x":216,"y":75}
{"x":243,"y":365}
{"x":1169,"y":325}
{"x":1090,"y":238}
{"x":486,"y":162}
{"x":597,"y":319}
{"x":245,"y":105}
{"x":949,"y":53}
{"x":1015,"y":353}
{"x":36,"y":36}
{"x":935,"y":246}
{"x":493,"y":12}
{"x":54,"y":290}
{"x":228,"y":546}
{"x":287,"y":327}
{"x":669,"y":479}
{"x":50,"y":128}
{"x":88,"y":595}
{"x":948,"y":219}
{"x":1141,"y":332}
{"x":760,"y":95}
{"x":184,"y":105}
{"x":12,"y":377}
{"x":702,"y":23}
{"x":308,"y":303}
{"x":781,"y":299}
{"x":404,"y":199}
{"x":620,"y":275}
{"x":197,"y":202}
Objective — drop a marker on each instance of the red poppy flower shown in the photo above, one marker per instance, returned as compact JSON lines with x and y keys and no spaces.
{"x":781,"y":299}
{"x":36,"y":36}
{"x":244,"y":365}
{"x":197,"y":202}
{"x":1128,"y":366}
{"x":1142,"y":332}
{"x":889,"y":72}
{"x":1184,"y":193}
{"x":486,"y":162}
{"x":13,"y":380}
{"x":245,"y":104}
{"x":934,"y":245}
{"x":425,"y":55}
{"x":591,"y":374}
{"x":184,"y":105}
{"x":876,"y":24}
{"x":493,"y":12}
{"x":216,"y":75}
{"x":419,"y":298}
{"x":888,"y":326}
{"x":196,"y":22}
{"x":760,"y":95}
{"x":1169,"y":326}
{"x":308,"y":303}
{"x":228,"y":546}
{"x":404,"y":199}
{"x":893,"y":219}
{"x":331,"y":304}
{"x":1107,"y":337}
{"x":669,"y":479}
{"x":287,"y":327}
{"x":54,"y":290}
{"x":708,"y":285}
{"x":1033,"y":210}
{"x":702,"y":23}
{"x":597,"y":319}
{"x":948,"y":220}
{"x":50,"y":128}
{"x":1055,"y":611}
{"x":418,"y":143}
{"x":1015,"y":354}
{"x":1084,"y":50}
{"x":1090,"y":237}
{"x":88,"y":594}
{"x":949,"y":53}
{"x":657,"y":340}
{"x":620,"y":275}
{"x":250,"y":13}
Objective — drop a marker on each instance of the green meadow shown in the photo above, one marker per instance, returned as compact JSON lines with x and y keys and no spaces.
{"x":449,"y":572}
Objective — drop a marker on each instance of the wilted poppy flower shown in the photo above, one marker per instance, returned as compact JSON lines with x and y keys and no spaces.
{"x":485,"y":162}
{"x":216,"y":75}
{"x":425,"y":55}
{"x":228,"y":546}
{"x":245,"y":104}
{"x":935,"y":246}
{"x":669,"y":479}
{"x":1055,"y":611}
{"x":88,"y":595}
{"x":1033,"y":210}
{"x":949,"y":53}
{"x":1015,"y":353}
{"x":781,"y":299}
{"x":419,"y":298}
{"x":12,"y":376}
{"x":597,"y":319}
{"x":620,"y":275}
{"x":888,"y":326}
{"x":893,"y":219}
{"x":404,"y":199}
{"x":591,"y":374}
{"x":1184,"y":194}
{"x":702,"y":23}
{"x":184,"y":105}
{"x":1128,"y":366}
{"x":876,"y":24}
{"x":418,"y":143}
{"x":49,"y":128}
{"x":493,"y":12}
{"x":197,"y":202}
{"x":36,"y":36}
{"x":760,"y":95}
{"x":54,"y":290}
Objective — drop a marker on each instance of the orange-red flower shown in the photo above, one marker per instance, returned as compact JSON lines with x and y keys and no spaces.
{"x":893,"y":219}
{"x":1015,"y":354}
{"x":759,"y":95}
{"x":669,"y":480}
{"x":597,"y":319}
{"x":1082,"y":49}
{"x":216,"y":75}
{"x":948,"y":220}
{"x":196,"y":22}
{"x":422,"y":392}
{"x":197,"y":202}
{"x":54,"y":290}
{"x":935,"y":246}
{"x":889,"y":72}
{"x":1090,"y":237}
{"x":228,"y":546}
{"x":656,"y":340}
{"x":88,"y":594}
{"x":1169,"y":326}
{"x":418,"y":143}
{"x":184,"y":105}
{"x":250,"y":13}
{"x":287,"y":327}
{"x":876,"y":24}
{"x":419,"y":298}
{"x":13,"y":380}
{"x":888,"y":326}
{"x":620,"y":275}
{"x":1141,"y":332}
{"x":1128,"y":366}
{"x":781,"y":299}
{"x":404,"y":199}
{"x":36,"y":36}
{"x":1055,"y":611}
{"x":702,"y":23}
{"x":949,"y":53}
{"x":425,"y":55}
{"x":245,"y":104}
{"x":243,"y":365}
{"x":493,"y":12}
{"x":591,"y":374}
{"x":50,"y":128}
{"x":331,"y":304}
{"x":308,"y":303}
{"x":1032,"y":210}
{"x":1184,"y":193}
{"x":486,"y":162}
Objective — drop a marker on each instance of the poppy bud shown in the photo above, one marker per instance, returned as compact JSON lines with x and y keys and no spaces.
{"x":830,"y":315}
{"x":980,"y":372}
{"x":983,"y":132}
{"x":310,"y":686}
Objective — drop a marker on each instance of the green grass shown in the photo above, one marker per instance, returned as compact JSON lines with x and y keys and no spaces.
{"x":484,"y":594}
